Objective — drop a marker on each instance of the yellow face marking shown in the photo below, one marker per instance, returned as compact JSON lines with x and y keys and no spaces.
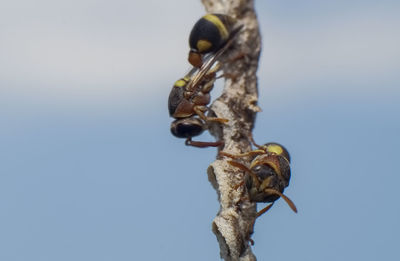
{"x":203,"y":45}
{"x":218,"y":23}
{"x":275,"y":149}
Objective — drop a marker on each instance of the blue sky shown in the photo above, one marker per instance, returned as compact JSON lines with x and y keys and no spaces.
{"x":90,"y":170}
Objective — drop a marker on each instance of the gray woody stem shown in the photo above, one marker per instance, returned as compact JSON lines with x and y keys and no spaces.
{"x":234,"y":223}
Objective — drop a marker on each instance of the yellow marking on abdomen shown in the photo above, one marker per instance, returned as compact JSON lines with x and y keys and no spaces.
{"x":218,"y":23}
{"x":203,"y":45}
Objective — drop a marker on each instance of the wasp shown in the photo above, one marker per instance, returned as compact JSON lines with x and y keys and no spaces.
{"x":188,"y":108}
{"x":189,"y":97}
{"x":267,"y":175}
{"x":210,"y":34}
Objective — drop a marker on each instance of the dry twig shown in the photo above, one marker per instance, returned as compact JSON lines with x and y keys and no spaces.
{"x":234,"y":223}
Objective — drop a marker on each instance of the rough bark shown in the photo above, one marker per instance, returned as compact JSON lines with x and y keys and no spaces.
{"x":234,"y":222}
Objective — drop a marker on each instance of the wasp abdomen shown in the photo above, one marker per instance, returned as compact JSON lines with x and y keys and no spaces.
{"x":209,"y":33}
{"x":187,"y":128}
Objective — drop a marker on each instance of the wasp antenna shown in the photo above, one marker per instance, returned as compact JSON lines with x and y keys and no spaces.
{"x":246,"y":169}
{"x":262,"y":211}
{"x":255,"y":144}
{"x":288,"y":200}
{"x":239,"y":165}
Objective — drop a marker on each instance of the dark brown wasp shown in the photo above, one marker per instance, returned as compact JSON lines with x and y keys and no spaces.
{"x":189,"y":109}
{"x":189,"y":97}
{"x":268,"y":174}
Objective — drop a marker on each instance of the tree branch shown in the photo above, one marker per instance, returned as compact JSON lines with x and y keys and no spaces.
{"x":234,"y":223}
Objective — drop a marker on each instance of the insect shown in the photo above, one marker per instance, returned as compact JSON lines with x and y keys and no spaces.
{"x":188,"y":108}
{"x":268,"y":174}
{"x":210,"y":34}
{"x":189,"y":97}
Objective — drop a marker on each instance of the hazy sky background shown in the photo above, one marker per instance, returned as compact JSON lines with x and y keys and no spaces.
{"x":90,"y":171}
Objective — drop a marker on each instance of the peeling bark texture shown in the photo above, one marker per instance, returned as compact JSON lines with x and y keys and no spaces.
{"x":234,"y":223}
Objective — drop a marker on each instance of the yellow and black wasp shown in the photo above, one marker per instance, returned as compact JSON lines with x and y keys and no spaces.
{"x":267,"y":175}
{"x":210,"y":34}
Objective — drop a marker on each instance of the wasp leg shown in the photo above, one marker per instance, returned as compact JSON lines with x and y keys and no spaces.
{"x":208,"y":86}
{"x":203,"y":144}
{"x":288,"y":200}
{"x":201,"y":114}
{"x":262,"y":211}
{"x":255,"y":144}
{"x":241,"y":155}
{"x":226,"y":75}
{"x":238,"y":185}
{"x":237,"y":57}
{"x":245,"y":169}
